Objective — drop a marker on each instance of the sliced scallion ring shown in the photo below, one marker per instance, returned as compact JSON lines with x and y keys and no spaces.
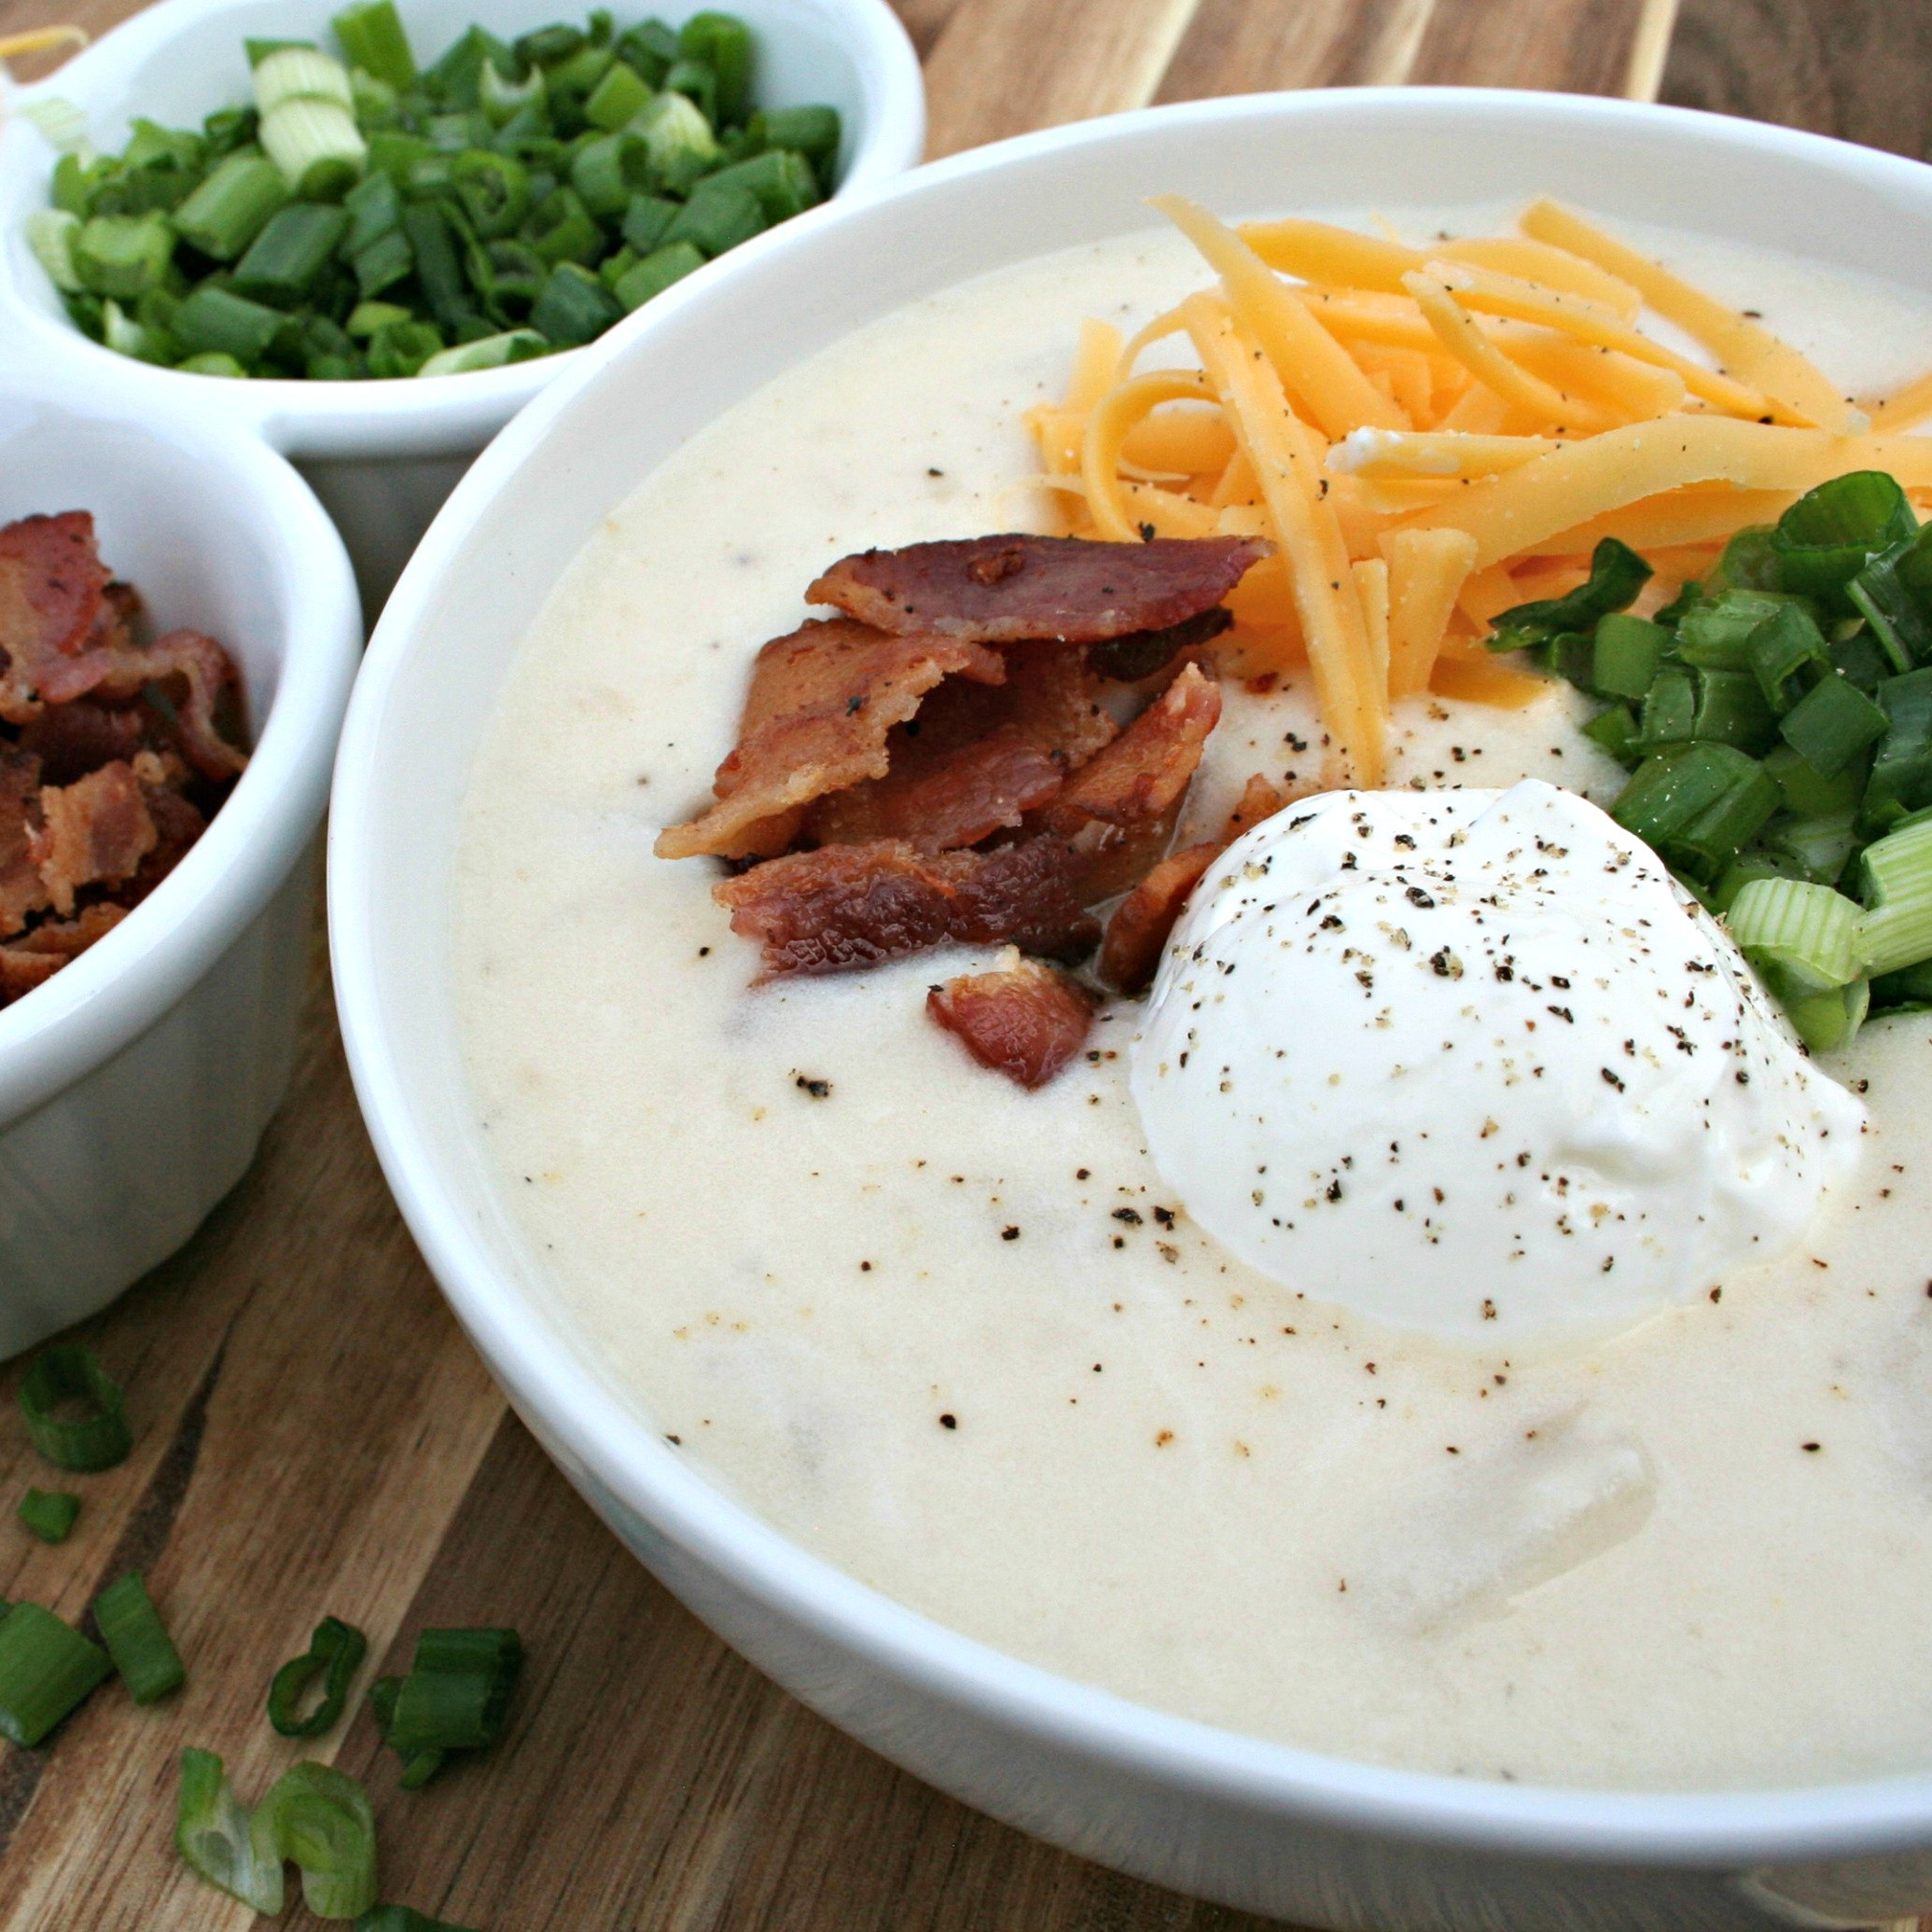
{"x":76,"y":1412}
{"x":333,"y":1654}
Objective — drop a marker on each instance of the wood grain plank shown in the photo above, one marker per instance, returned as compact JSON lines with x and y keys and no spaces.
{"x":1237,"y":47}
{"x":660,"y":1783}
{"x":309,"y":1416}
{"x":1579,"y":47}
{"x":1860,"y":69}
{"x":1004,"y":67}
{"x":924,"y":21}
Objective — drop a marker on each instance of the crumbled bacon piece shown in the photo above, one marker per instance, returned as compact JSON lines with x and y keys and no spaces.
{"x":72,"y":740}
{"x":1055,"y":699}
{"x":1005,"y":589}
{"x":22,"y":891}
{"x":944,"y":798}
{"x":1128,"y":659}
{"x":31,"y":962}
{"x":1138,"y":931}
{"x":822,"y":702}
{"x":1022,"y":1019}
{"x":1146,"y":769}
{"x":849,"y":906}
{"x":95,"y":832}
{"x":193,"y":672}
{"x":51,"y":581}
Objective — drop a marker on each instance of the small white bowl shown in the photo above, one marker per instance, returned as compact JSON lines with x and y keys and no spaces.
{"x":1261,"y":1826}
{"x":382,"y":456}
{"x":137,"y":1082}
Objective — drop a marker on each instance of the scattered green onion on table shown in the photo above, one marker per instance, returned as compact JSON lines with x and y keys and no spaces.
{"x":366,"y":217}
{"x":49,"y":1514}
{"x":1777,"y":721}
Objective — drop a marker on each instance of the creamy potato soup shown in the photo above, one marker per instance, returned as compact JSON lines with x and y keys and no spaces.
{"x":965,"y":1340}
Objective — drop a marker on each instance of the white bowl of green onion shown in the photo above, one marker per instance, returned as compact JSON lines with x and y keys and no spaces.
{"x":371,"y":232}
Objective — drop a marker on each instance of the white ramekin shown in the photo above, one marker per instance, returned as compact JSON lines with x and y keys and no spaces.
{"x":137,"y":1082}
{"x":1257,"y":1825}
{"x":384,"y":455}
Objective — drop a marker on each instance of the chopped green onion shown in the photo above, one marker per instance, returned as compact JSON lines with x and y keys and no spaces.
{"x":723,"y":42}
{"x":1894,"y":594}
{"x":454,"y":1699}
{"x":1831,"y":724}
{"x":1901,"y":770}
{"x":216,"y":320}
{"x":52,"y":233}
{"x":574,"y":306}
{"x":1670,"y":708}
{"x":1617,"y":574}
{"x":620,"y":94}
{"x":494,"y":190}
{"x":75,"y":1410}
{"x":290,"y":252}
{"x":1615,"y":729}
{"x":559,"y":229}
{"x":399,"y":1918}
{"x":211,"y":363}
{"x":1730,"y":710}
{"x":47,"y":1671}
{"x":1822,"y":1021}
{"x":651,"y":48}
{"x":608,"y":172}
{"x":1697,"y":806}
{"x":219,"y":1841}
{"x":321,"y":1819}
{"x":316,"y":146}
{"x":645,"y":220}
{"x":679,"y":140}
{"x":365,"y":318}
{"x":374,"y":208}
{"x":1716,"y":632}
{"x":1896,"y":928}
{"x":226,"y":212}
{"x":259,"y":51}
{"x":125,"y":336}
{"x":1825,"y":537}
{"x":544,"y":47}
{"x":1809,"y":931}
{"x":813,"y":131}
{"x":717,"y":218}
{"x":384,"y":262}
{"x":123,"y":255}
{"x":698,"y":83}
{"x":491,"y":351}
{"x":1787,"y":654}
{"x":137,"y":1640}
{"x":372,"y":36}
{"x":401,"y":348}
{"x":654,"y":273}
{"x":300,"y":74}
{"x":438,"y":270}
{"x":785,"y":186}
{"x":49,"y":1514}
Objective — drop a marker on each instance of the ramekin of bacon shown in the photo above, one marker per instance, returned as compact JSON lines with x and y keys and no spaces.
{"x":178,"y":632}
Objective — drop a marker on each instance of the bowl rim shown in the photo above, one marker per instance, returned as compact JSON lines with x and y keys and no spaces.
{"x":584,"y":1425}
{"x":443,"y":416}
{"x":132,"y":975}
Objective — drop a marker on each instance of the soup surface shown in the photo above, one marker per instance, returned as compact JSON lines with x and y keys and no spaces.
{"x":953,"y":1336}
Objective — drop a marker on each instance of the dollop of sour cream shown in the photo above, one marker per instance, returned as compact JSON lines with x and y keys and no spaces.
{"x":1472,"y":1064}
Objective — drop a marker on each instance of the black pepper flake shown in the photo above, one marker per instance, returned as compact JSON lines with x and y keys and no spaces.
{"x":1081,"y":1173}
{"x":949,"y":1420}
{"x":1611,"y":1079}
{"x":811,"y":1084}
{"x":1809,"y":1448}
{"x":1130,"y":1216}
{"x":1010,"y":1233}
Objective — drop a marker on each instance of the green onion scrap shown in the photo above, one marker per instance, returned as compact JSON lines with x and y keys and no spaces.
{"x":400,"y":1918}
{"x":1777,"y":721}
{"x":49,"y":1514}
{"x":334,"y":1653}
{"x":138,"y":1641}
{"x":454,"y":1699}
{"x":76,"y":1412}
{"x":47,"y":1671}
{"x":513,"y":200}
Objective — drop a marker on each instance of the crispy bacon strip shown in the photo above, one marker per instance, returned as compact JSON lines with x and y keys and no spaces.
{"x":1002,"y":590}
{"x":96,"y":830}
{"x":848,"y":906}
{"x":72,"y":740}
{"x":51,"y":581}
{"x":946,"y":799}
{"x":1022,"y":1019}
{"x":193,"y":672}
{"x":32,"y":960}
{"x":1146,"y":769}
{"x":821,"y":703}
{"x":1128,"y":659}
{"x":22,"y":891}
{"x":1142,"y":921}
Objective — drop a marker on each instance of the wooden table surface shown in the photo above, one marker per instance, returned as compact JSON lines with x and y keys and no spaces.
{"x":315,"y":1435}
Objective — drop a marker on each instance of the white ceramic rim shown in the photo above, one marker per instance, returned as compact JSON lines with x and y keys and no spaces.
{"x":587,"y":1423}
{"x":127,"y":981}
{"x":440,"y":416}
